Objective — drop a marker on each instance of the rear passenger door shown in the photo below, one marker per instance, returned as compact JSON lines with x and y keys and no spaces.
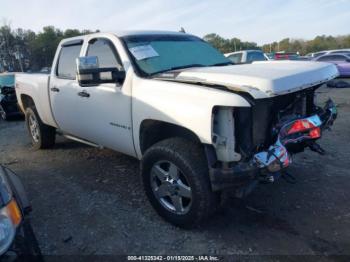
{"x":64,"y":88}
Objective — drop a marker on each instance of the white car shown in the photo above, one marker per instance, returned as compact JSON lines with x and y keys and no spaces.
{"x":198,"y":124}
{"x":246,"y":56}
{"x":326,"y":52}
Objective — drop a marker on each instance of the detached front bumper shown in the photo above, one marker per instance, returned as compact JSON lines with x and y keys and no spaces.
{"x":293,"y":135}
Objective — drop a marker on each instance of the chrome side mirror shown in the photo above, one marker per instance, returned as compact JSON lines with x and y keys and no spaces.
{"x":89,"y":73}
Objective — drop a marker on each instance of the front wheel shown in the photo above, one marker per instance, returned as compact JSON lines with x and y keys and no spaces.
{"x":176,"y":181}
{"x":42,"y":136}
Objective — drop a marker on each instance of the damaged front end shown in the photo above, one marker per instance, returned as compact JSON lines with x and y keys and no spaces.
{"x":266,"y":136}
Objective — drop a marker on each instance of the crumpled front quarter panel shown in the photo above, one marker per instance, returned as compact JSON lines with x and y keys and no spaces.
{"x":186,"y":105}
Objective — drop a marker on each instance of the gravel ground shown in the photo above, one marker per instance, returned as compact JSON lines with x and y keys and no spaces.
{"x":90,"y":201}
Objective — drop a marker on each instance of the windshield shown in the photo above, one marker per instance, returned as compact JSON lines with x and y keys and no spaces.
{"x":154,"y":54}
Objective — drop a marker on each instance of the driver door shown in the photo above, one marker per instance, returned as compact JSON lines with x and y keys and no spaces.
{"x":105,"y":109}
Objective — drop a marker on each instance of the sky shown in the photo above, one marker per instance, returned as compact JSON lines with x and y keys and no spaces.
{"x":260,"y":21}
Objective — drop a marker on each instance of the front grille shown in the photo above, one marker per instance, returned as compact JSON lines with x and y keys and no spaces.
{"x":254,"y":125}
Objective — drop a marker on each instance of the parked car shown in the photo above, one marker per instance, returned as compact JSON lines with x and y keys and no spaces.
{"x":17,"y":239}
{"x":326,"y":52}
{"x":246,"y":56}
{"x":316,"y":54}
{"x":342,"y":61}
{"x":198,"y":124}
{"x":8,"y":99}
{"x":286,"y":56}
{"x":269,"y":56}
{"x":303,"y":58}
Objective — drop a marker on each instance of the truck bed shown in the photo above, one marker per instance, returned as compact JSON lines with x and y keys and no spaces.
{"x":37,"y":87}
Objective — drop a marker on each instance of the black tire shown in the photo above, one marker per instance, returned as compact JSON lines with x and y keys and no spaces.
{"x":190,"y":160}
{"x":46,"y":135}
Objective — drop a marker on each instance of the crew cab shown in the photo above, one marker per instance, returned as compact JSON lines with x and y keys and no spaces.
{"x":198,"y":123}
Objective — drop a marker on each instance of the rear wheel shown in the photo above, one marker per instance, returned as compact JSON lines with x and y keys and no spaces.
{"x":176,"y":181}
{"x":42,"y":136}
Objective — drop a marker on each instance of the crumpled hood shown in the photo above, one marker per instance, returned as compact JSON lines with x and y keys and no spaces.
{"x":260,"y":79}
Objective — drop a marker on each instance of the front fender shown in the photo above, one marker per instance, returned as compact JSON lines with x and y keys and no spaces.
{"x":185,"y":105}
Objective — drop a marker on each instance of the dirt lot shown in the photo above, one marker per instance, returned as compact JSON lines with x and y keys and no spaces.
{"x":90,"y":201}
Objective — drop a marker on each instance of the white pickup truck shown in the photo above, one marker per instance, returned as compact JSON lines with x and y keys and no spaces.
{"x":198,"y":124}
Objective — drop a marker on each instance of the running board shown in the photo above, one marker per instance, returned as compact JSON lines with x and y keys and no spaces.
{"x":82,"y":141}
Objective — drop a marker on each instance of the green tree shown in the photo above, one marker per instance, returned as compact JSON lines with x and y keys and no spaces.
{"x":228,"y":45}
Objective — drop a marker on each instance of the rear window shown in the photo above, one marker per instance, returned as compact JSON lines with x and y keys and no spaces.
{"x":66,"y":67}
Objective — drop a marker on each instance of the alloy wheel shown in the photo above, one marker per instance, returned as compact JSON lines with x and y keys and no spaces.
{"x":171,"y":188}
{"x":34,"y":128}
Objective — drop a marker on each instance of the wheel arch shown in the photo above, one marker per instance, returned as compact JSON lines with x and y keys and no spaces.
{"x":153,"y":131}
{"x":26,"y":101}
{"x":44,"y":111}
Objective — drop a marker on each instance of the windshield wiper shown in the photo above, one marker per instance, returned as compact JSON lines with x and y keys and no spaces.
{"x":178,"y":67}
{"x":189,"y":66}
{"x":223,"y":64}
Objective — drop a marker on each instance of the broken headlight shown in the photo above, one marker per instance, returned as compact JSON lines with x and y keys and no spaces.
{"x":10,"y":215}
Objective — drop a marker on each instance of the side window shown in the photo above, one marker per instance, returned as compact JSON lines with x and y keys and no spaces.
{"x":339,"y":58}
{"x":333,"y":58}
{"x":236,"y":58}
{"x":325,"y":58}
{"x":106,"y":53}
{"x":318,"y":54}
{"x":255,"y":56}
{"x":66,"y":67}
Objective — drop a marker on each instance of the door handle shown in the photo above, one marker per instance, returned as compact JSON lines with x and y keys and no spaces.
{"x":54,"y":89}
{"x":84,"y":94}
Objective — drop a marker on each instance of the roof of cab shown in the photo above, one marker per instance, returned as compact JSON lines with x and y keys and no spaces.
{"x":146,"y":32}
{"x":124,"y":33}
